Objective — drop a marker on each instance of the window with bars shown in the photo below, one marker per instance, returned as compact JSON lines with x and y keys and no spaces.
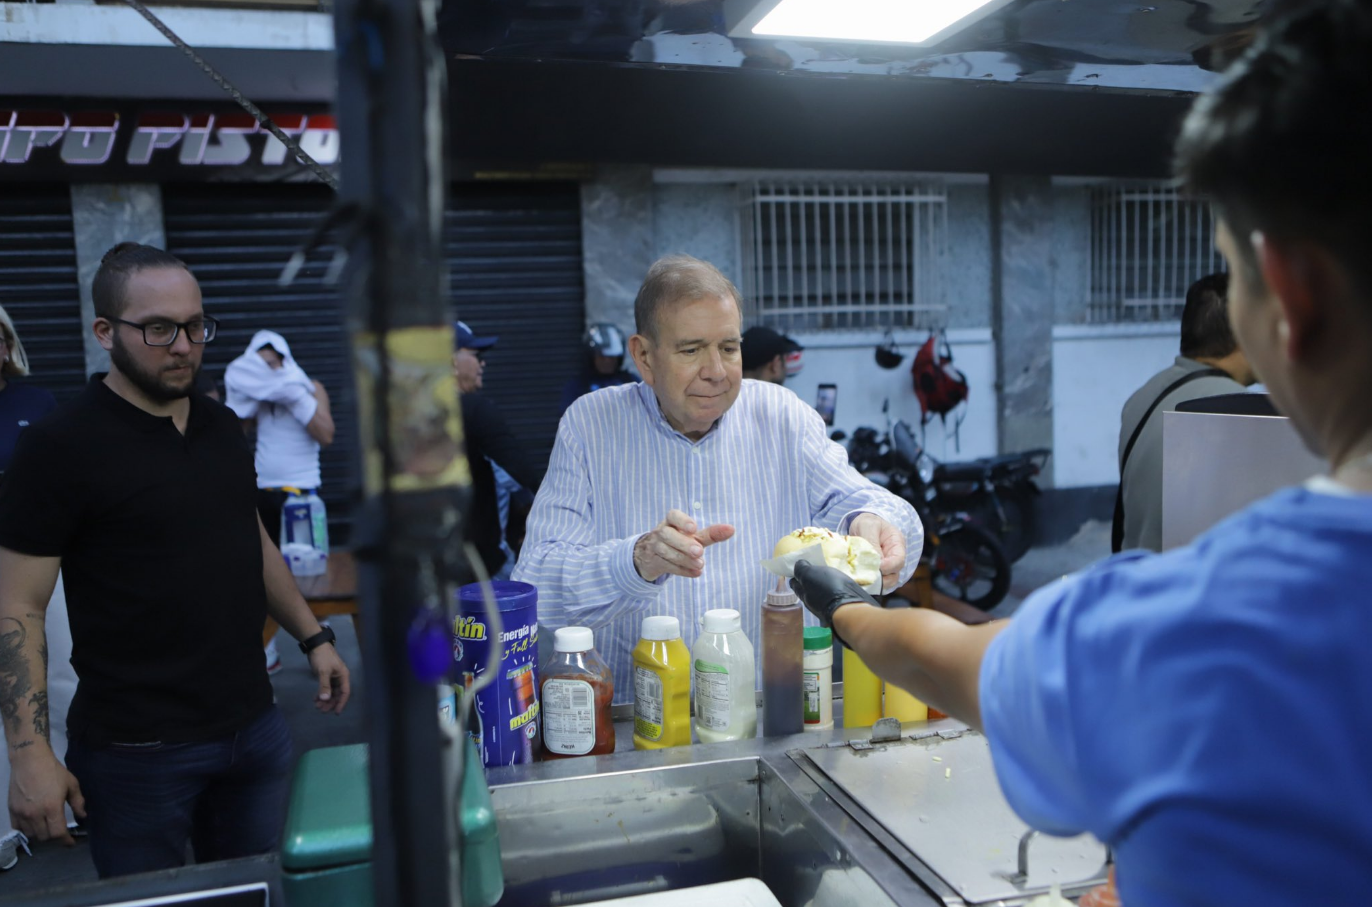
{"x":1148,"y":245}
{"x":858,"y":256}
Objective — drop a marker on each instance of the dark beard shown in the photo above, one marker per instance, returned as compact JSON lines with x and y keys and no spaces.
{"x":150,"y":383}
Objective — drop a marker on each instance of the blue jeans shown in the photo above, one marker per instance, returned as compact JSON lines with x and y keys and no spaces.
{"x":145,"y":801}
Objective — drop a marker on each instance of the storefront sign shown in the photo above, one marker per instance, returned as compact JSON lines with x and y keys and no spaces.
{"x":157,"y":144}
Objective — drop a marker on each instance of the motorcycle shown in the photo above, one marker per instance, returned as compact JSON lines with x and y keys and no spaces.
{"x":965,"y":560}
{"x":997,"y":493}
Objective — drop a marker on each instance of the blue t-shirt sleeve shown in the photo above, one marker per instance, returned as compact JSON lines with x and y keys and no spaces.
{"x":1030,"y":691}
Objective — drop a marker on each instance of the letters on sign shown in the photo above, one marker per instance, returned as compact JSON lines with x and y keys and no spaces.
{"x":92,"y":138}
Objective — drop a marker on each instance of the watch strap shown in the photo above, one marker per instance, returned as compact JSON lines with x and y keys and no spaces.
{"x":317,"y":640}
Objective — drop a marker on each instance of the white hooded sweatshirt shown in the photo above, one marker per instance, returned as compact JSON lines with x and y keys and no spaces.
{"x":282,"y":400}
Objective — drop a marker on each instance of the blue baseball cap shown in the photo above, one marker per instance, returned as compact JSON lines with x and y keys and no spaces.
{"x":466,"y":340}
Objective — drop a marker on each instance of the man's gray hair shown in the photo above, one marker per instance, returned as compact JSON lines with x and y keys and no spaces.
{"x":677,"y":279}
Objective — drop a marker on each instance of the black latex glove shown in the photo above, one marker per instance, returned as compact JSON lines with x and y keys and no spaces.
{"x":824,"y":590}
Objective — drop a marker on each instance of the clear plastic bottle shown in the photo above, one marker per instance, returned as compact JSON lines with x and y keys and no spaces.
{"x":662,"y":686}
{"x":782,"y":650}
{"x":725,"y":676}
{"x":576,"y":696}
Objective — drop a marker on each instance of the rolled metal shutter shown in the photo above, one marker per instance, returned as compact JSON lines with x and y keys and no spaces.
{"x":514,"y":255}
{"x":38,"y":284}
{"x":236,"y":239}
{"x":514,"y":252}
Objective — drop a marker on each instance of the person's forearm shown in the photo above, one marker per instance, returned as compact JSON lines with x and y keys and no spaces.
{"x":24,"y":680}
{"x":930,"y":655}
{"x":285,"y":604}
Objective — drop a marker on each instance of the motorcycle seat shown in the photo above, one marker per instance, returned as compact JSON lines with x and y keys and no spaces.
{"x":974,"y":471}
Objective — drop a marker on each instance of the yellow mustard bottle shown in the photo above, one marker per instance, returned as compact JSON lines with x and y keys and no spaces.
{"x":861,"y":692}
{"x":903,"y":707}
{"x":662,"y":686}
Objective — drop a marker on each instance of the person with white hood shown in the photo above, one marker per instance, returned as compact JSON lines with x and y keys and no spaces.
{"x":267,"y":388}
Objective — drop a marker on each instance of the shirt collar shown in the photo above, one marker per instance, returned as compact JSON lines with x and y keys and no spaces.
{"x":139,"y":418}
{"x":654,"y":410}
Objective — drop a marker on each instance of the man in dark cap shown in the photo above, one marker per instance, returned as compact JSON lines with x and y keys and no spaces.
{"x":769,"y":356}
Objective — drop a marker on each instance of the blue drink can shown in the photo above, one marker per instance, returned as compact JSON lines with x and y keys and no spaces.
{"x":507,"y":710}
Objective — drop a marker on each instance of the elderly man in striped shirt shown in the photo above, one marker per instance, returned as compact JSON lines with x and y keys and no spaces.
{"x":663,"y":497}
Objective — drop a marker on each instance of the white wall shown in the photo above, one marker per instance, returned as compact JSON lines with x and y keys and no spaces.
{"x":1095,"y":369}
{"x":846,"y":359}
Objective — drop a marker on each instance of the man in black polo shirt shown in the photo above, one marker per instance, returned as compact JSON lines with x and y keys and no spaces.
{"x":145,"y":497}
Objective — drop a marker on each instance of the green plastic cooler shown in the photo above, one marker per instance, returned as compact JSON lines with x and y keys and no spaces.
{"x":326,"y":854}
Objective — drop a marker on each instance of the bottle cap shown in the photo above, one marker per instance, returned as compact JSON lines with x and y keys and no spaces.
{"x":816,"y":639}
{"x":782,"y":596}
{"x":573,"y":639}
{"x":661,"y":628}
{"x":722,"y":620}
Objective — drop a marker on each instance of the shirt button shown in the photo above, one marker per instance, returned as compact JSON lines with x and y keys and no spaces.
{"x":696,"y":505}
{"x":696,"y":451}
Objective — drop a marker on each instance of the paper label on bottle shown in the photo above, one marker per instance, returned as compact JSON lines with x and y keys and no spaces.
{"x":811,"y":687}
{"x":713,"y":705}
{"x":568,"y":717}
{"x":647,"y":704}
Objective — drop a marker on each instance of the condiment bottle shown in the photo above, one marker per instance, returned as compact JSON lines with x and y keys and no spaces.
{"x":662,"y":686}
{"x":576,"y":695}
{"x":782,"y":650}
{"x":818,"y":665}
{"x":901,"y":706}
{"x":861,"y":692}
{"x":725,"y":679}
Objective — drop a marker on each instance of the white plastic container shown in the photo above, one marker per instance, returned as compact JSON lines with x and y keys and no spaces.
{"x":725,"y":675}
{"x":818,"y":666}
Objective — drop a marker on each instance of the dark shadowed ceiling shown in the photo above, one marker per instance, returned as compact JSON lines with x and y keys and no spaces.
{"x":1084,"y":87}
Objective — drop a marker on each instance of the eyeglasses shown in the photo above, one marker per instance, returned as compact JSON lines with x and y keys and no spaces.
{"x":164,"y":333}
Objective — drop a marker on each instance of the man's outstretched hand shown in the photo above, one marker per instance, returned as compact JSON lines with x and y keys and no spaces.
{"x":677,"y":546}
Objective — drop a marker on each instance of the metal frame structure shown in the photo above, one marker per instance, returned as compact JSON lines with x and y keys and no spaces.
{"x":846,"y":255}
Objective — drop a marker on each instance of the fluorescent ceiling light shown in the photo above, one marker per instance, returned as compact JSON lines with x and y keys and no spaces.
{"x":882,"y":21}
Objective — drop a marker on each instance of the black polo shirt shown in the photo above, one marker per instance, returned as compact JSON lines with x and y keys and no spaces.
{"x":161,"y":560}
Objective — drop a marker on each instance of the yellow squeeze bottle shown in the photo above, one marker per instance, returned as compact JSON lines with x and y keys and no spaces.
{"x":861,"y":692}
{"x":901,"y":706}
{"x":662,"y":686}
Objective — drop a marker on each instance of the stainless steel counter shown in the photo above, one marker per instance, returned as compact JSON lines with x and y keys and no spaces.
{"x":807,"y":814}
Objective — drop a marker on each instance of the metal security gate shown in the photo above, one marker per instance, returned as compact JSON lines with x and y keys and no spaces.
{"x":38,"y":286}
{"x":236,"y":239}
{"x":515,"y":255}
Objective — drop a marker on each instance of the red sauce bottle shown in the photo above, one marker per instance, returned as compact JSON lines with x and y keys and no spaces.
{"x":576,"y":694}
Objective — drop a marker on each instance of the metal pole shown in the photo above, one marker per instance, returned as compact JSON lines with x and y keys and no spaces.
{"x":391,"y":108}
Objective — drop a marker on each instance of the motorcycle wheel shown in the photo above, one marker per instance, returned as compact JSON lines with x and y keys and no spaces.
{"x":971,"y":566}
{"x":1017,"y":529}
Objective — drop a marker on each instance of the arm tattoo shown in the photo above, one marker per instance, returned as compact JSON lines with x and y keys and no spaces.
{"x":39,"y":701}
{"x":15,"y":683}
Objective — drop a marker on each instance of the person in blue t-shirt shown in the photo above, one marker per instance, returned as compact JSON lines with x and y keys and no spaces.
{"x":20,"y":404}
{"x":1205,"y":711}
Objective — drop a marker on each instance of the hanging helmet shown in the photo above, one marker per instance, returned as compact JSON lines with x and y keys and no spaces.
{"x":888,"y":354}
{"x":605,"y":339}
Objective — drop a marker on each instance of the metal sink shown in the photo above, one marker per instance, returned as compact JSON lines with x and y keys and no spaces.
{"x":639,"y":830}
{"x":914,"y":817}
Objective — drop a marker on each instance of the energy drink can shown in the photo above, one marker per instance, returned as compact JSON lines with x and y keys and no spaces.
{"x":507,"y":709}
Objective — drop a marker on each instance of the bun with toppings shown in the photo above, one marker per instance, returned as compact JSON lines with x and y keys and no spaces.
{"x":852,"y":554}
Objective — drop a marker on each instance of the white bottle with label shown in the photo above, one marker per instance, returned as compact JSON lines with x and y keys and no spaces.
{"x":725,"y":675}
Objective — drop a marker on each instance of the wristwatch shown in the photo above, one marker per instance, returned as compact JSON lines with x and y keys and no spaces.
{"x":317,"y":640}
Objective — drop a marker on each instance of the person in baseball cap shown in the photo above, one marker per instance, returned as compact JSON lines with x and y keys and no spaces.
{"x":769,"y":356}
{"x":467,"y":364}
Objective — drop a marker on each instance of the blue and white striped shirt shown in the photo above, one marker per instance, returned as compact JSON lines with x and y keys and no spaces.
{"x":766,"y":468}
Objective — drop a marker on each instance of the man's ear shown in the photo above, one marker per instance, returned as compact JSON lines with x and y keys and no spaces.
{"x":1303,"y":279}
{"x":638,"y":350}
{"x":103,"y":329}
